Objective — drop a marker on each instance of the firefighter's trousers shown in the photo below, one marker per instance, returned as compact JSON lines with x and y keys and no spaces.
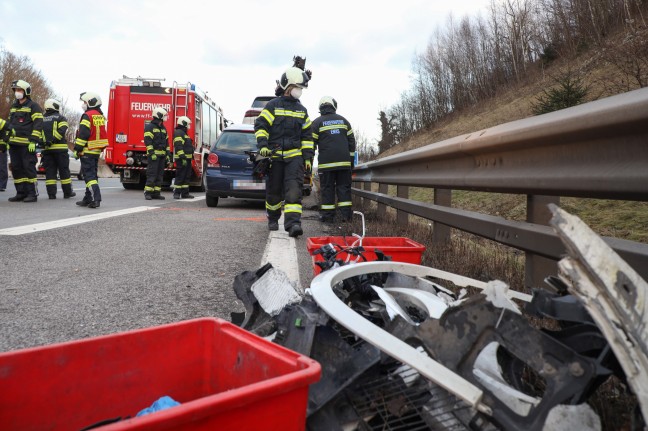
{"x":332,"y":183}
{"x":23,"y":170}
{"x":154,"y":174}
{"x":57,"y":164}
{"x":285,"y":182}
{"x":89,"y":166}
{"x":183,"y":174}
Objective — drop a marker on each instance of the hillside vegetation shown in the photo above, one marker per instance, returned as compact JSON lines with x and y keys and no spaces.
{"x":620,"y":219}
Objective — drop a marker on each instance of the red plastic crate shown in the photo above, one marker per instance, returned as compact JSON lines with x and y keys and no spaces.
{"x":224,"y":377}
{"x":399,"y":248}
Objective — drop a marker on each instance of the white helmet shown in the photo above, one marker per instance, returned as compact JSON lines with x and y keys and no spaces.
{"x":327,"y":100}
{"x":184,"y":121}
{"x":294,"y":76}
{"x":159,"y":113}
{"x":23,"y":85}
{"x":91,"y":99}
{"x":52,"y":104}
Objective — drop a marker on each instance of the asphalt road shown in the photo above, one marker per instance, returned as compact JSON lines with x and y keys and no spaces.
{"x":174,"y":261}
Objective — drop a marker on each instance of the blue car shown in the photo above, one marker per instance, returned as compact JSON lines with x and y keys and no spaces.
{"x":229,"y":166}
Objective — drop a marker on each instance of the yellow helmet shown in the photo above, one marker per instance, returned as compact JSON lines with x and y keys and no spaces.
{"x":184,"y":121}
{"x":91,"y":99}
{"x":23,"y":85}
{"x":159,"y":113}
{"x":294,"y":76}
{"x":327,"y":100}
{"x":52,"y":104}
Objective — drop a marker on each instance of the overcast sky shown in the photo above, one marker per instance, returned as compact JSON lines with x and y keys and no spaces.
{"x":360,"y":52}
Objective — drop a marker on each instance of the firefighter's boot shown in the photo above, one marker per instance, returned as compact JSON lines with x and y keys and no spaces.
{"x":273,"y":225}
{"x":32,"y":193}
{"x":94,"y":204}
{"x":84,"y":202}
{"x":18,"y":198}
{"x":177,"y":195}
{"x":147,"y":196}
{"x":186,"y":195}
{"x":295,"y":230}
{"x":157,"y":195}
{"x":67,"y":191}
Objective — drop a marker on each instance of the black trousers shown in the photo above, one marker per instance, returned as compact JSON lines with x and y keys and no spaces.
{"x":183,"y":174}
{"x":57,"y":165}
{"x":23,"y":170}
{"x":154,"y":174}
{"x":332,"y":183}
{"x":4,"y":173}
{"x":285,"y":182}
{"x":89,"y":166}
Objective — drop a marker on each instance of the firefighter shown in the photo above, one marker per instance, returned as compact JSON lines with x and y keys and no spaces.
{"x":54,"y":156}
{"x":92,"y":138}
{"x":26,"y":128}
{"x":4,"y":147}
{"x":283,"y":132}
{"x":157,"y":150}
{"x":183,"y":149}
{"x":333,"y":138}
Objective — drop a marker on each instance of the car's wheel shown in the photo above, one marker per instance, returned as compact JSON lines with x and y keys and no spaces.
{"x":212,"y":201}
{"x":130,"y":186}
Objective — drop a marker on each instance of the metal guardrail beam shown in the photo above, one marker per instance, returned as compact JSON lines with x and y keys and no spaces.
{"x":533,"y":238}
{"x":597,"y":150}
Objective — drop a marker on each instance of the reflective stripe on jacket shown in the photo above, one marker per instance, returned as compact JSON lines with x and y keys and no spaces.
{"x":333,"y":138}
{"x":25,"y":123}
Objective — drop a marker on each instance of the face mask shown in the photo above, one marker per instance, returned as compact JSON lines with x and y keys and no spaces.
{"x":19,"y":95}
{"x":84,"y":106}
{"x":296,"y":92}
{"x":166,"y":117}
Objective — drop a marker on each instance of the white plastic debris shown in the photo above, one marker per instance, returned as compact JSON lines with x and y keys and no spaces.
{"x":496,"y":292}
{"x":274,"y":291}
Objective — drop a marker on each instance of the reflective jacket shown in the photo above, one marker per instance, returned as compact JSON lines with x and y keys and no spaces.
{"x":333,"y":138}
{"x":25,"y":123}
{"x":156,"y":138}
{"x":182,"y":144}
{"x":55,"y":127}
{"x":284,"y":125}
{"x":92,"y":137}
{"x":4,"y":135}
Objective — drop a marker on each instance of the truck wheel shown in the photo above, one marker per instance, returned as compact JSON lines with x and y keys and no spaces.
{"x":130,"y":186}
{"x":212,"y":201}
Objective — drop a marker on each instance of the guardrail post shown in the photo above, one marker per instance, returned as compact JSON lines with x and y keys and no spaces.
{"x":402,"y":217}
{"x":536,"y":268}
{"x":366,"y":202}
{"x":441,"y":232}
{"x":382,"y":208}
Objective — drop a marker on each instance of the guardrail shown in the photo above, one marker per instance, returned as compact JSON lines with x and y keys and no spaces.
{"x":595,"y":150}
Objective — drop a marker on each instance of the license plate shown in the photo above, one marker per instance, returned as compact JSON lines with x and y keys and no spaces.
{"x":248,"y":185}
{"x":121,"y":138}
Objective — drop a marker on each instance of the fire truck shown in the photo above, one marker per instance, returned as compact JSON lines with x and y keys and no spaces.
{"x":131,"y":103}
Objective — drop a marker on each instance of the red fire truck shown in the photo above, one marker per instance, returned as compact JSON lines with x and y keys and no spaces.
{"x":131,"y":103}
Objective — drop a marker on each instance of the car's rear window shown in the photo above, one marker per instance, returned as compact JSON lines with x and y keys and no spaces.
{"x":261,"y":102}
{"x":235,"y":142}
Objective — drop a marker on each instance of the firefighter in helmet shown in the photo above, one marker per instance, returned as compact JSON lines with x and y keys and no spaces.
{"x":4,"y":147}
{"x":25,"y":128}
{"x":335,"y":143}
{"x":91,"y":139}
{"x":54,"y":156}
{"x":157,"y":150}
{"x":183,"y":149}
{"x":283,"y":132}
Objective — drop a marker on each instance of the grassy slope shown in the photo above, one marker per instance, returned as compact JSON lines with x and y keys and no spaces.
{"x":620,"y":219}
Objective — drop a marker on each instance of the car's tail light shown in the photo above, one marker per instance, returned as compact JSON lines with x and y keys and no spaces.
{"x":212,"y":161}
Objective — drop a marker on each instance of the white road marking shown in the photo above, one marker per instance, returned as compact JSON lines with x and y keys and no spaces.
{"x":21,"y":230}
{"x":281,"y":252}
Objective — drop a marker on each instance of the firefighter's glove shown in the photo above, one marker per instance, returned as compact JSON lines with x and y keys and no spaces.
{"x":308,"y":165}
{"x":31,"y":147}
{"x":265,"y":152}
{"x":184,"y":163}
{"x":153,"y":157}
